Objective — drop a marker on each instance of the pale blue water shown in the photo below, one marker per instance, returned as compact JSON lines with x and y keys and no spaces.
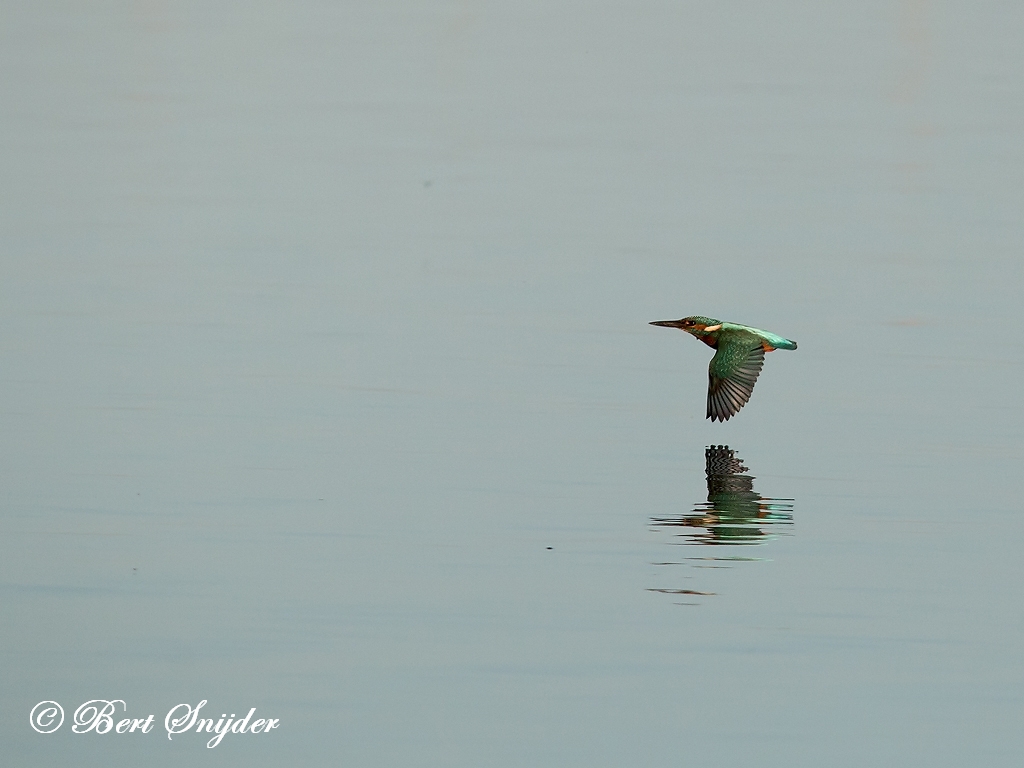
{"x":328,"y":388}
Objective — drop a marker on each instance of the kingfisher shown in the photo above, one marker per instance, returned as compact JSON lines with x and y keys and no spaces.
{"x":739,"y":356}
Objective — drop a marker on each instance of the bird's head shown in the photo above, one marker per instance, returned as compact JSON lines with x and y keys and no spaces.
{"x":698,"y":325}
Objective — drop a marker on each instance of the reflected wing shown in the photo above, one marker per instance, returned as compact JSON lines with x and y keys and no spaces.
{"x":731,"y":377}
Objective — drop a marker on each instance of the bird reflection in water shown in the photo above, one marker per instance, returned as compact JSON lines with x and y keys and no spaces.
{"x":734,"y":512}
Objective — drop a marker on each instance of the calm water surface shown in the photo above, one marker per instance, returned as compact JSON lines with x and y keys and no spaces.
{"x":327,"y":386}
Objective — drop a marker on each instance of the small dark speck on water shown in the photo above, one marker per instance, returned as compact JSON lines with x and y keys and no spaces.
{"x":549,"y":547}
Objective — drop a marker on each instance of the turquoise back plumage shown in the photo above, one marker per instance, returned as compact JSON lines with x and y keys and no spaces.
{"x":772,"y":338}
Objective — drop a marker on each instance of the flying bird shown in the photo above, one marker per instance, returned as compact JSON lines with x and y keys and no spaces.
{"x":737,"y":363}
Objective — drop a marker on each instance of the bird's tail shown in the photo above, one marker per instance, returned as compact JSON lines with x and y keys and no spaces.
{"x":779,"y":342}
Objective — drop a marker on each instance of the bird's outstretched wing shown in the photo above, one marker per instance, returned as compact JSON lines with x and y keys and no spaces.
{"x":731,"y":376}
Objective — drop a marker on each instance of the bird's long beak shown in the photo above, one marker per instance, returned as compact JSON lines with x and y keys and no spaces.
{"x":669,"y":323}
